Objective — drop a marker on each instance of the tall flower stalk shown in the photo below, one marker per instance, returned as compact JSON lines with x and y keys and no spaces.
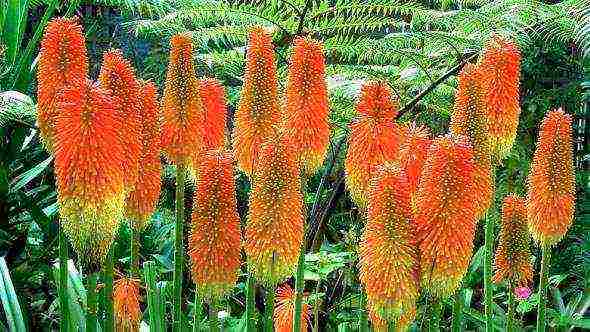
{"x":551,"y":193}
{"x":182,"y":114}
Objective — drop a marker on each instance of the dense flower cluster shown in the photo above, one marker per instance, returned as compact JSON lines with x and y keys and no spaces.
{"x":470,"y":118}
{"x":551,"y":183}
{"x":118,"y":78}
{"x":182,"y":109}
{"x":513,"y":260}
{"x":214,"y":242}
{"x":142,"y":201}
{"x":126,"y":305}
{"x":413,"y":151}
{"x":257,"y":116}
{"x":62,"y":63}
{"x":374,"y":139}
{"x":284,"y":310}
{"x":388,"y":251}
{"x":500,"y":66}
{"x":90,"y":180}
{"x":274,"y":232}
{"x":446,"y":215}
{"x":306,"y":115}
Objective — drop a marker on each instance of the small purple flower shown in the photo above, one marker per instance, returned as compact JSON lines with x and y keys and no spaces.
{"x":522,"y":293}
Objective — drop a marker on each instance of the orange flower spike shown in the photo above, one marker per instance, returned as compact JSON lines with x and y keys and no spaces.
{"x":118,"y":77}
{"x":126,"y":304}
{"x":513,"y":260}
{"x":388,"y":250}
{"x":445,"y":204}
{"x":551,"y":182}
{"x":284,"y":310}
{"x":215,"y":110}
{"x":214,"y":242}
{"x":142,"y":201}
{"x":413,"y":152}
{"x":500,"y":65}
{"x":90,"y":180}
{"x":306,"y":116}
{"x":274,"y":231}
{"x":182,"y":109}
{"x":374,"y":139}
{"x":258,"y":109}
{"x":62,"y":61}
{"x":470,"y":119}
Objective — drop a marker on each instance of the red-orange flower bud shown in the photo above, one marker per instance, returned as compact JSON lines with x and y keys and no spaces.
{"x":374,"y":139}
{"x":214,"y":243}
{"x":258,"y":110}
{"x":412,"y":153}
{"x":126,"y":304}
{"x":117,"y":76}
{"x":500,"y":66}
{"x":551,"y":183}
{"x":446,"y":215}
{"x":306,"y":116}
{"x":88,"y":159}
{"x":142,"y":201}
{"x":274,"y":232}
{"x":62,"y":62}
{"x":388,"y":250}
{"x":284,"y":310}
{"x":182,"y":109}
{"x":513,"y":259}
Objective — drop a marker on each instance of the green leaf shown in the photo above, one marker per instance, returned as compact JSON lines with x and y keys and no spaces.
{"x":26,"y":177}
{"x":12,"y":310}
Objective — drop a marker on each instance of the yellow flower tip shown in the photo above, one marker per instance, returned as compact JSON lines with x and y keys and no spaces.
{"x":257,"y":116}
{"x":274,"y":232}
{"x":551,"y":181}
{"x":445,"y":204}
{"x":214,"y":242}
{"x":513,"y":261}
{"x":388,"y":250}
{"x":306,"y":115}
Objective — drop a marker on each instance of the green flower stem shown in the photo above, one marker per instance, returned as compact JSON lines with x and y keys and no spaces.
{"x":435,"y":316}
{"x":299,"y":284}
{"x":178,"y":247}
{"x":91,"y":307}
{"x":457,"y":325}
{"x":134,"y":253}
{"x":109,"y":324}
{"x":197,"y":313}
{"x":250,"y":304}
{"x":487,"y":268}
{"x":364,"y":321}
{"x":510,"y":316}
{"x":546,"y":257}
{"x":269,"y":308}
{"x":213,"y":317}
{"x":63,"y":283}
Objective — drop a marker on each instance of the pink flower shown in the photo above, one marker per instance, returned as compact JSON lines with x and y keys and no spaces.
{"x":522,"y":293}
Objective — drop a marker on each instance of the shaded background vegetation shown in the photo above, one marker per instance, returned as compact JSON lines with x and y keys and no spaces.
{"x":409,"y":44}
